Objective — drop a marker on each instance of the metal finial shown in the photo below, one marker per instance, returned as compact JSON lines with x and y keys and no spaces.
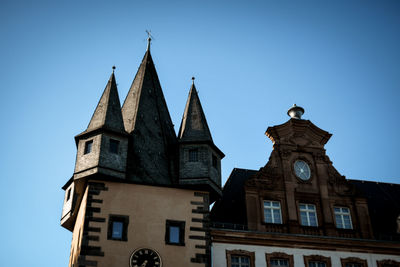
{"x":113,"y":68}
{"x":295,"y":112}
{"x":149,"y":37}
{"x":193,"y":79}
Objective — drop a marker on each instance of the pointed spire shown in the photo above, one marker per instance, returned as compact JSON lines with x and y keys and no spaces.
{"x":194,"y":125}
{"x":146,"y":118}
{"x":108,"y":111}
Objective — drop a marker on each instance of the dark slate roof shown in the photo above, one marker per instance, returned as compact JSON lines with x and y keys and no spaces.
{"x":108,"y":111}
{"x":231,"y":208}
{"x":383,"y":205}
{"x":194,"y":125}
{"x":151,"y":156}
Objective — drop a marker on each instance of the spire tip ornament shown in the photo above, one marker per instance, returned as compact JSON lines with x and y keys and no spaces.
{"x":149,"y":37}
{"x":295,"y":112}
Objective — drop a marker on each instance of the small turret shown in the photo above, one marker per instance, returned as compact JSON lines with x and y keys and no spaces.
{"x":102,"y":151}
{"x":102,"y":148}
{"x":199,"y":157}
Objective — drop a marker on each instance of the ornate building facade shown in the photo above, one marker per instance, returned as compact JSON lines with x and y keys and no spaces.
{"x":299,"y":211}
{"x":140,"y":194}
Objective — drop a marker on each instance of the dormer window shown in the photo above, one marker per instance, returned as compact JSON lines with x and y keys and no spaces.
{"x":88,"y":146}
{"x":308,"y":215}
{"x":114,"y":146}
{"x":272,"y":212}
{"x":193,"y":155}
{"x":343,"y":218}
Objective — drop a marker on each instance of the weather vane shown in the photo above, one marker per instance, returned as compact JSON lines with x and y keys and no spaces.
{"x":149,"y":38}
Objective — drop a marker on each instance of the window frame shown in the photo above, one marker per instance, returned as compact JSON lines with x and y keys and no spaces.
{"x":88,"y":147}
{"x":181,"y":226}
{"x":311,"y":258}
{"x":118,"y":218}
{"x":273,"y":208}
{"x":353,"y":260}
{"x":307,"y":213}
{"x":239,"y":253}
{"x":342,"y":214}
{"x":279,"y":255}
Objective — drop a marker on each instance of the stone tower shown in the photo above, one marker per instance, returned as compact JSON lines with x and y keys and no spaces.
{"x":199,"y":157}
{"x":128,"y":203}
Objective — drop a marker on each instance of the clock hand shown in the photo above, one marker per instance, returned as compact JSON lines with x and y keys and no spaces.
{"x":144,"y":264}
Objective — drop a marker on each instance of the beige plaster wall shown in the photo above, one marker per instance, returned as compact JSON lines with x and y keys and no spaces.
{"x":148,"y":208}
{"x":77,"y":233}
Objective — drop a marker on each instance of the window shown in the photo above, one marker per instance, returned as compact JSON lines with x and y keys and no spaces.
{"x":114,"y":145}
{"x":240,"y":261}
{"x":308,"y":215}
{"x":279,"y":259}
{"x":317,"y":261}
{"x":353,"y":265}
{"x":69,"y":194}
{"x":175,"y":233}
{"x":272,"y":212}
{"x":279,"y":262}
{"x":343,"y":218}
{"x":88,"y":146}
{"x":193,"y":155}
{"x":240,"y":258}
{"x":214,"y":161}
{"x":316,"y":264}
{"x":118,"y":227}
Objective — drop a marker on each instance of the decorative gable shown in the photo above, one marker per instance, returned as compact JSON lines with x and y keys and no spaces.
{"x":298,"y":132}
{"x":300,"y":181}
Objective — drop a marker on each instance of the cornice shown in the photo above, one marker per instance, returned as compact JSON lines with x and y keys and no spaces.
{"x":304,"y":241}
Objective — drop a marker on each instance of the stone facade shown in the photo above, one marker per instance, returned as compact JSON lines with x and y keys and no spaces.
{"x":299,"y":211}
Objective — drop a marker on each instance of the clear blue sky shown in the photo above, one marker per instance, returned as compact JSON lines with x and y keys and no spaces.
{"x":252,"y":60}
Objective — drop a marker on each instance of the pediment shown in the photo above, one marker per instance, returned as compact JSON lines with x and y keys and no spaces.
{"x":298,"y":132}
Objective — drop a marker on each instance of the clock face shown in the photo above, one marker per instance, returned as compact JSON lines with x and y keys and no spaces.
{"x":302,"y":170}
{"x":145,"y":257}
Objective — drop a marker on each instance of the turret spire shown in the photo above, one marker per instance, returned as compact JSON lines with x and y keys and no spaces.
{"x":194,"y":125}
{"x":199,"y":157}
{"x":108,"y":111}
